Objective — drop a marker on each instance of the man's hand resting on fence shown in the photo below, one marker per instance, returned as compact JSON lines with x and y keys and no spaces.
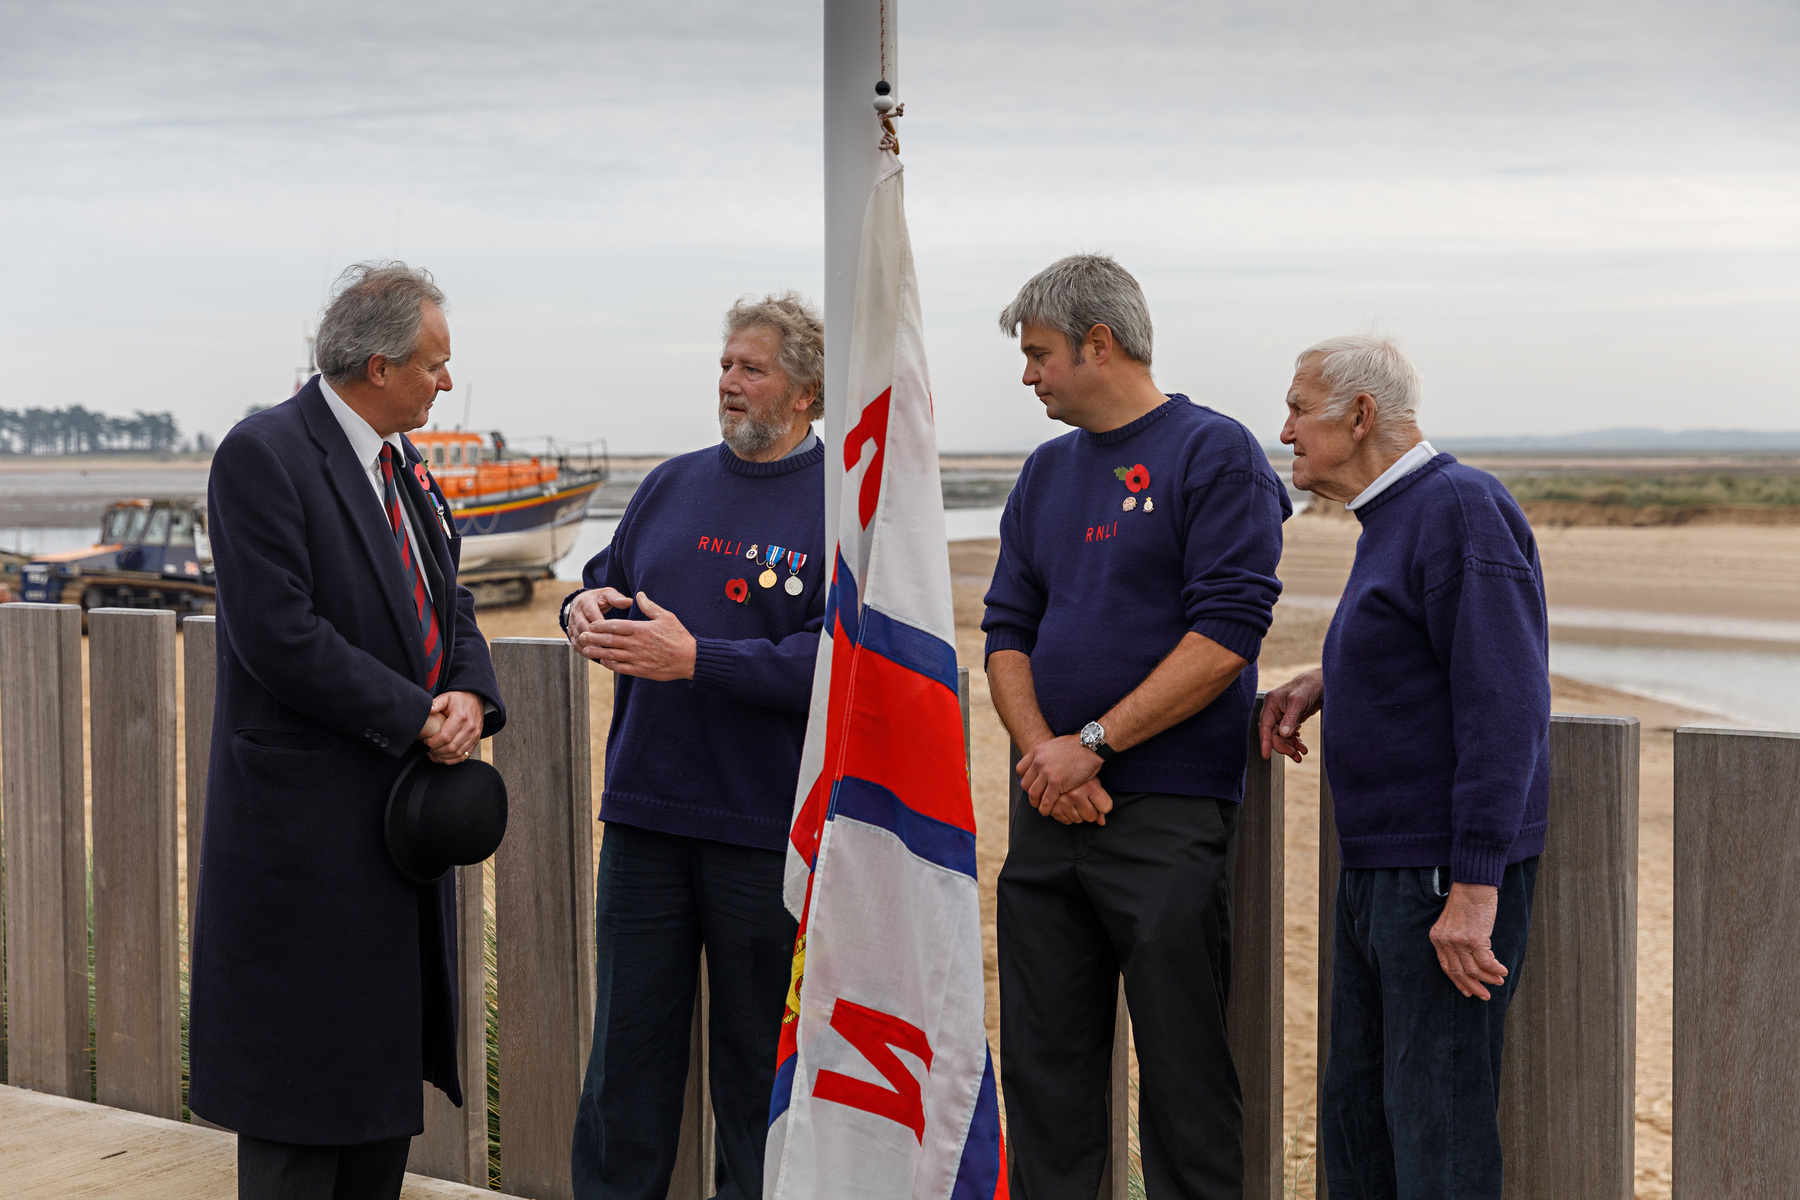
{"x":1286,"y":708}
{"x":1461,"y":939}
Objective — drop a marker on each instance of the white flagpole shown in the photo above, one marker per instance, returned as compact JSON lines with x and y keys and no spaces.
{"x":853,"y":63}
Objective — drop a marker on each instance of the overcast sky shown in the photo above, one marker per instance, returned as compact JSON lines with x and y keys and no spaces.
{"x":1574,"y":215}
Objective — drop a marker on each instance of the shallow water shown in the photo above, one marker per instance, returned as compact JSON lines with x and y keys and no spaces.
{"x":1757,"y":686}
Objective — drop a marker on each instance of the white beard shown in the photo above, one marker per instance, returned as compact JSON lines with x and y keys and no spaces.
{"x":747,"y":433}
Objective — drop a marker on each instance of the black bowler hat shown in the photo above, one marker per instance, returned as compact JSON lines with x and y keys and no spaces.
{"x":444,"y":815}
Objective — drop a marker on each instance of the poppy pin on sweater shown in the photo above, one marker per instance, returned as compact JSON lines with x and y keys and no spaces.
{"x":738,"y":590}
{"x":1136,"y":478}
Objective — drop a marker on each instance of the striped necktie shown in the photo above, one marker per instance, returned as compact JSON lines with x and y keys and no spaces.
{"x":415,"y":582}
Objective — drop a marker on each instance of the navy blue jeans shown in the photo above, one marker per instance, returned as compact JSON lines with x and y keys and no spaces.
{"x":1412,"y":1088}
{"x":661,"y":898}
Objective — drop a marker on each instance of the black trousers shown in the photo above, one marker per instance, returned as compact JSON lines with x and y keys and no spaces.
{"x":1148,"y":896}
{"x":1412,"y":1088}
{"x":283,"y":1171}
{"x":661,"y":898}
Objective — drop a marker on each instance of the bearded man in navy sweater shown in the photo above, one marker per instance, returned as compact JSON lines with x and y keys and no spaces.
{"x":1135,"y":583}
{"x":707,"y":606}
{"x":1437,"y":745}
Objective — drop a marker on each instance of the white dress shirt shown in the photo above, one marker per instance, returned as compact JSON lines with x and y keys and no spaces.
{"x":366,"y":444}
{"x":1403,"y":466}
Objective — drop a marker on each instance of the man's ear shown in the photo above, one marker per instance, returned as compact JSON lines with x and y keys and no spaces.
{"x":375,"y":370}
{"x":1100,"y":344}
{"x":1364,"y":407}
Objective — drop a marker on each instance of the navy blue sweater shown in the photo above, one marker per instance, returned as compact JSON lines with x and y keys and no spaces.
{"x":1113,"y":547}
{"x":1437,"y":681}
{"x":718,"y":756}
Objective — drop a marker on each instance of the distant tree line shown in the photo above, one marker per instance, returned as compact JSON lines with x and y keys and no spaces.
{"x":76,"y":430}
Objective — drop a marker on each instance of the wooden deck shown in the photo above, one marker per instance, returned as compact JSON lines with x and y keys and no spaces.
{"x":52,"y":1147}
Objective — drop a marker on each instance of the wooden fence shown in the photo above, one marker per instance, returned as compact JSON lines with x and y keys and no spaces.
{"x":1567,"y":1103}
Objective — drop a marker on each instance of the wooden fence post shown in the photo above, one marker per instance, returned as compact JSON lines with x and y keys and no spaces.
{"x":543,"y":910}
{"x":1737,"y":939}
{"x":1258,"y":973}
{"x":1568,"y":1109}
{"x":137,"y":891}
{"x":1329,"y":869}
{"x":454,"y":1145}
{"x":46,"y":849}
{"x":199,"y":683}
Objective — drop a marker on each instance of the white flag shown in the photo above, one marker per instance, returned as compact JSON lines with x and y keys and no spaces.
{"x":885,"y":1088}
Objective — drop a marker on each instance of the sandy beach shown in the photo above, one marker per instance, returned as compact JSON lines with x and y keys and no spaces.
{"x":1693,"y":570}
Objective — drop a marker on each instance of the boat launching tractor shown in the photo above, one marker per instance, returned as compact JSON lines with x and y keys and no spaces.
{"x":517,"y":515}
{"x":151,"y":554}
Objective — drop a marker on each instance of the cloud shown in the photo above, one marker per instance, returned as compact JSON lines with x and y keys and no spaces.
{"x":1575,"y":215}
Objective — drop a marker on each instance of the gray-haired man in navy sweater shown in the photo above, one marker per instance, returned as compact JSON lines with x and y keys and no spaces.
{"x":1135,"y":583}
{"x":1437,"y":744}
{"x":707,"y":606}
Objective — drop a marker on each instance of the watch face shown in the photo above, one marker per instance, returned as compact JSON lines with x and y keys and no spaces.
{"x":1092,"y":734}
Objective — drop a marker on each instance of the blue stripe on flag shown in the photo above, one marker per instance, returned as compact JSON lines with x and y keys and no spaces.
{"x":910,"y":646}
{"x":978,"y":1173}
{"x":841,"y":602}
{"x":929,"y":838}
{"x":783,"y":1093}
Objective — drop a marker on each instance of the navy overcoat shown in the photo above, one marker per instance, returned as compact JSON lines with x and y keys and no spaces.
{"x":321,"y":978}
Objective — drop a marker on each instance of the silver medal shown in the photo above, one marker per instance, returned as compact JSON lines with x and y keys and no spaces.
{"x":794,"y":586}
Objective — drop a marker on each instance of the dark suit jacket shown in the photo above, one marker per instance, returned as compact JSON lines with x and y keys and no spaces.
{"x":321,"y":978}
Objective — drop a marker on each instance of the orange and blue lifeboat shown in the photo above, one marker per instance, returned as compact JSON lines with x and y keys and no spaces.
{"x":513,"y":511}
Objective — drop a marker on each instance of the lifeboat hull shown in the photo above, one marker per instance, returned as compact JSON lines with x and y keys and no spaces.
{"x":529,"y":534}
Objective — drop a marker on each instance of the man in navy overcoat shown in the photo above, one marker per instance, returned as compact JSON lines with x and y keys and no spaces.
{"x":321,"y":977}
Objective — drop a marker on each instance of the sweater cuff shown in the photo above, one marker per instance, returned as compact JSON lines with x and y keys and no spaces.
{"x":716,"y":663}
{"x":1243,"y":640}
{"x":1478,"y":862}
{"x":562,"y":615}
{"x":1004,"y":638}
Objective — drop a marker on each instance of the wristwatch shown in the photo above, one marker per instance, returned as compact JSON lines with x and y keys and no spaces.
{"x":1093,"y":736}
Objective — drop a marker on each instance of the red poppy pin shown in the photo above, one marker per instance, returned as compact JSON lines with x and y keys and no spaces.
{"x":738,"y":590}
{"x":1136,"y":478}
{"x":424,"y":476}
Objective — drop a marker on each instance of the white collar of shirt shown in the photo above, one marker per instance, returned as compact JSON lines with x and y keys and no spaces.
{"x":1403,"y":466}
{"x":366,"y":444}
{"x":363,"y":438}
{"x":806,"y":443}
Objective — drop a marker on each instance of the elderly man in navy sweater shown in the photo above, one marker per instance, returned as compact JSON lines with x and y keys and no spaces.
{"x":1437,"y":744}
{"x":1135,"y":583}
{"x":707,"y":606}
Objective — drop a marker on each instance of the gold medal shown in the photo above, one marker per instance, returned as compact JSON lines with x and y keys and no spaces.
{"x":767,"y":578}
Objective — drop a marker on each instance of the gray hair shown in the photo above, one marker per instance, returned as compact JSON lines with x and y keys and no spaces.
{"x":378,"y":309}
{"x":802,"y":354}
{"x":1367,"y":362}
{"x":1076,"y":293}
